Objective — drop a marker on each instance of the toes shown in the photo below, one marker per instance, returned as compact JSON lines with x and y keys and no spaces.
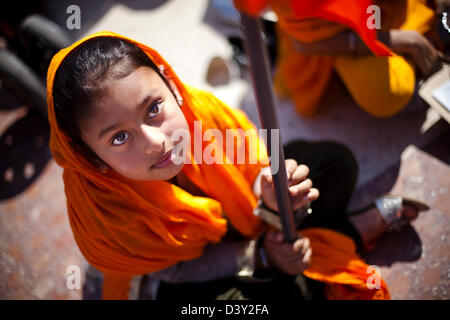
{"x":409,"y":212}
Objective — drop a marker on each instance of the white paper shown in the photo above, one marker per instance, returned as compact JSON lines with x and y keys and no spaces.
{"x":442,"y":94}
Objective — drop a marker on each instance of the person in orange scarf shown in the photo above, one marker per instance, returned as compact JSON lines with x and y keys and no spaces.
{"x":113,"y":106}
{"x":378,"y":67}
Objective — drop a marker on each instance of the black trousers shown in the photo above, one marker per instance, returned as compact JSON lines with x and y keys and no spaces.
{"x":334,"y":171}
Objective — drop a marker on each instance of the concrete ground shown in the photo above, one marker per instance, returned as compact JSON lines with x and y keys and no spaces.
{"x":407,"y":154}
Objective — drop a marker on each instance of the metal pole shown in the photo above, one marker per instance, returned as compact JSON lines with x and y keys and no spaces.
{"x":262,"y":86}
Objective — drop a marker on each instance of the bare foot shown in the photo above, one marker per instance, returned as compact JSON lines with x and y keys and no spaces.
{"x":371,"y":225}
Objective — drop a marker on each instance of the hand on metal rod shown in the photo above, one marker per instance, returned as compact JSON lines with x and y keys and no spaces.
{"x":262,"y":86}
{"x":301,"y":190}
{"x":290,"y":258}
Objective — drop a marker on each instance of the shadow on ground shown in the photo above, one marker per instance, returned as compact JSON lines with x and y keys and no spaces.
{"x":392,"y":247}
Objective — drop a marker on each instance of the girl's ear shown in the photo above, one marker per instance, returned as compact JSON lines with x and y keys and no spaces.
{"x":172,"y":85}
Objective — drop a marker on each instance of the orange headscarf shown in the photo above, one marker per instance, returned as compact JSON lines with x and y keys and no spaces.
{"x":126,"y":228}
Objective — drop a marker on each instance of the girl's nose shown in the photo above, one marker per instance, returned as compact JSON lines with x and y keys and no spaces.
{"x":153,"y":139}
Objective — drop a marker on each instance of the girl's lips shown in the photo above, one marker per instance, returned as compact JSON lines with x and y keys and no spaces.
{"x":164,"y":161}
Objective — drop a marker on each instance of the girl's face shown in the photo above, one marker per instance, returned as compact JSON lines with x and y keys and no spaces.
{"x":130,"y":128}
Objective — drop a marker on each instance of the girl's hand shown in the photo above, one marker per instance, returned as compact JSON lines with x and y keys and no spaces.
{"x":290,"y":258}
{"x":300,"y":188}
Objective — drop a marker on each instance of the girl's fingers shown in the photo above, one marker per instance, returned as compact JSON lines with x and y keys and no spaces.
{"x":291,"y":258}
{"x":301,"y":246}
{"x":306,"y":246}
{"x":301,"y":173}
{"x":291,"y":165}
{"x":266,"y":175}
{"x":302,"y":187}
{"x":300,"y":264}
{"x":307,"y":257}
{"x":290,"y":251}
{"x":313,"y":194}
{"x":304,"y":259}
{"x":283,"y":253}
{"x":303,"y":198}
{"x":295,"y":173}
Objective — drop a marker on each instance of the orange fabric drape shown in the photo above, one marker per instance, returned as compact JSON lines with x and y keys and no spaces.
{"x":304,"y":78}
{"x":349,"y":13}
{"x":335,"y":262}
{"x":126,"y":228}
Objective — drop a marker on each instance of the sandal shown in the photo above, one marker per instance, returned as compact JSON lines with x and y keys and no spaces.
{"x":390,"y":206}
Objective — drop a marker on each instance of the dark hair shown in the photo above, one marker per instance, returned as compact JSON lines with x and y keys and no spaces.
{"x":82,"y":78}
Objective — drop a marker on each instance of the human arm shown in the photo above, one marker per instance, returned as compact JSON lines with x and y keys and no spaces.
{"x":217,"y":261}
{"x":410,"y":42}
{"x":403,"y":42}
{"x":346,"y":42}
{"x":300,"y":186}
{"x":290,"y":258}
{"x":221,"y":260}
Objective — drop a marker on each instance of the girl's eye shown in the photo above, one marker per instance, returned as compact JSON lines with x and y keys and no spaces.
{"x":121,"y":138}
{"x":155,"y":109}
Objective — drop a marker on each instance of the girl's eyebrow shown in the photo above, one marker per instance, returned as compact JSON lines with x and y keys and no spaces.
{"x":104,"y":131}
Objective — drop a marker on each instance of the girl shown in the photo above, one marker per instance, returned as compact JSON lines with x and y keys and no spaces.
{"x":113,"y":105}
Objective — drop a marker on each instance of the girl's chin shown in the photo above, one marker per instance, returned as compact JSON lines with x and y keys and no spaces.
{"x":166,"y":173}
{"x":153,"y":174}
